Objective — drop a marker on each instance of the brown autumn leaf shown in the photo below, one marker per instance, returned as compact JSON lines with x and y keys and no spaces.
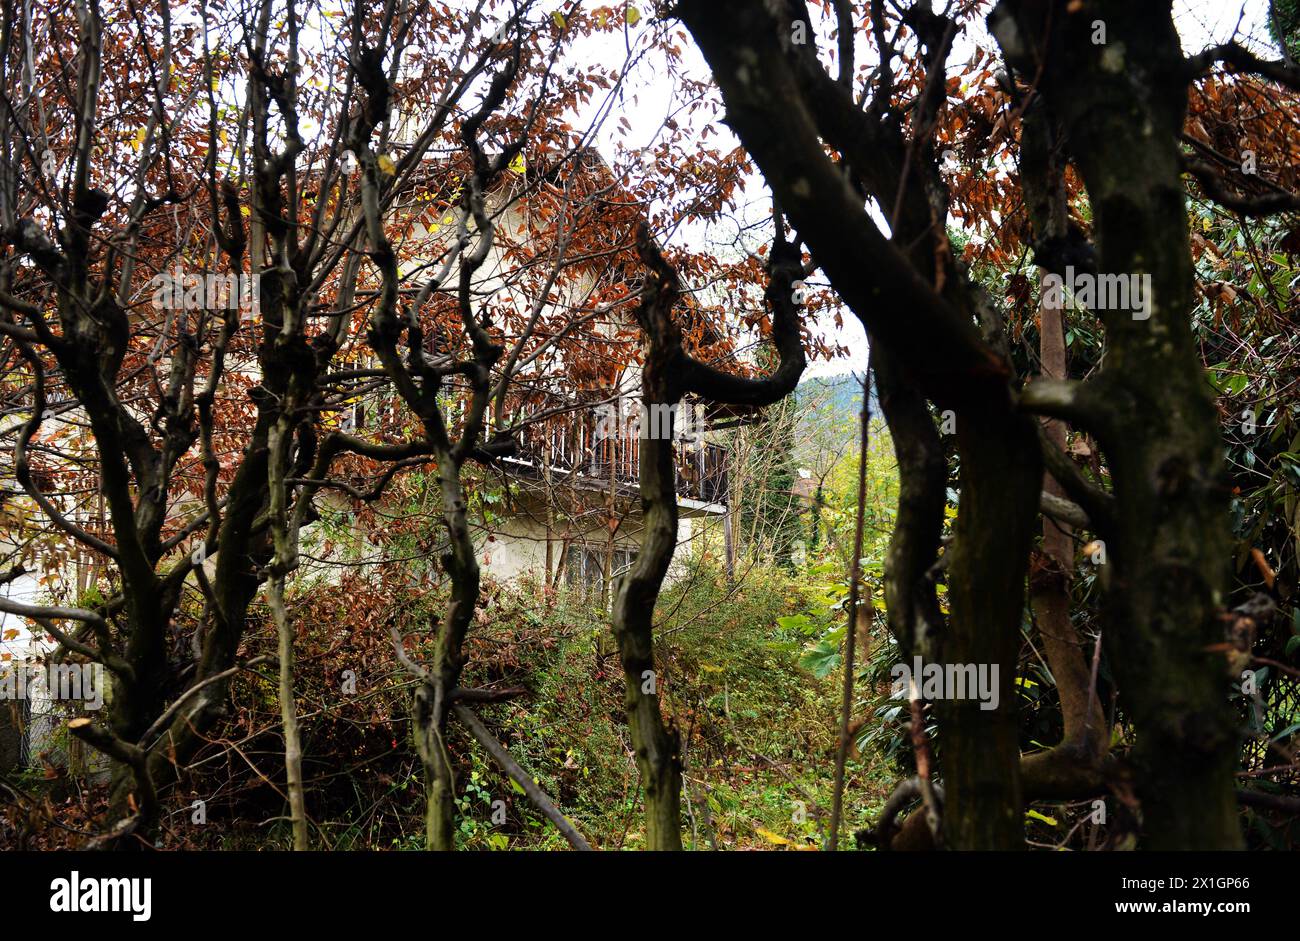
{"x":1265,"y":569}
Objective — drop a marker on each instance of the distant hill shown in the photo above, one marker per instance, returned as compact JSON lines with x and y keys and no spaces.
{"x":829,"y":409}
{"x":841,"y":393}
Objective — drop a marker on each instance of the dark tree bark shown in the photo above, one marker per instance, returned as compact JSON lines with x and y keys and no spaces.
{"x":1122,"y":104}
{"x":910,"y":568}
{"x":784,"y":107}
{"x":668,"y":374}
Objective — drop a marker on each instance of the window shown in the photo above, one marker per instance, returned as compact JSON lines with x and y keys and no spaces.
{"x":584,"y":566}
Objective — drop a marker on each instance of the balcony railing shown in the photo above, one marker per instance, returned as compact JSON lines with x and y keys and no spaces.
{"x":578,"y":448}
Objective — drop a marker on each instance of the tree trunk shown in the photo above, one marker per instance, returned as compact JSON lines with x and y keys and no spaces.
{"x":1000,"y":476}
{"x":1122,"y":104}
{"x":432,"y":701}
{"x":1084,"y":732}
{"x":657,"y":746}
{"x":289,"y":715}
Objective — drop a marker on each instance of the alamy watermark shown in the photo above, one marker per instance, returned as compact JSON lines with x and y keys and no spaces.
{"x":946,"y":681}
{"x":73,"y":682}
{"x":1100,"y":291}
{"x":658,"y":422}
{"x":178,"y":290}
{"x":79,"y":893}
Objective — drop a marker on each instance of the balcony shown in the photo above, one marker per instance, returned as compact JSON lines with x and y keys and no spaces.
{"x":579,"y":450}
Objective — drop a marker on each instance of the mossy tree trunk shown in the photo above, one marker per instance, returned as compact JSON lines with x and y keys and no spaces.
{"x":668,"y":374}
{"x":1122,"y":104}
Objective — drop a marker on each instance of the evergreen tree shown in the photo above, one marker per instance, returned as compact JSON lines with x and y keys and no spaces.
{"x":773,"y":515}
{"x":1284,"y":25}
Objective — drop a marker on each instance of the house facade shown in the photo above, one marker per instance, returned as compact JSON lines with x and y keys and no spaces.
{"x":574,"y":516}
